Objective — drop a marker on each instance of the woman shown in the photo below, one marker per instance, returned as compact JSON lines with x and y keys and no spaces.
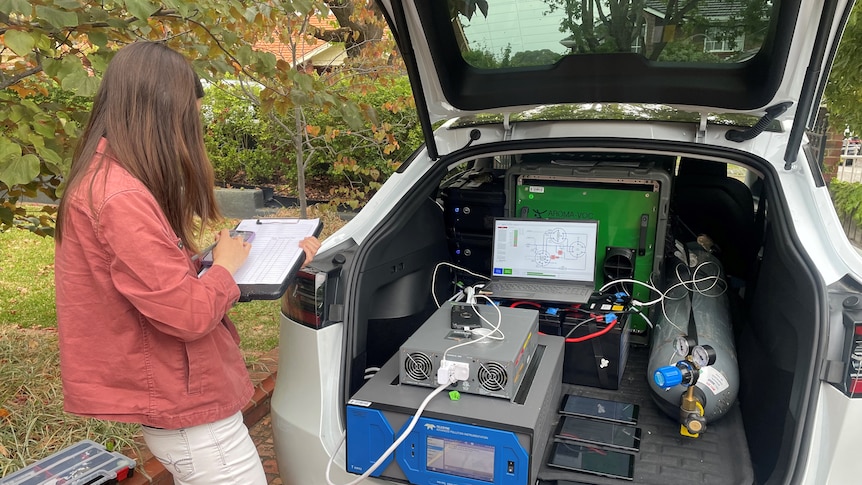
{"x":143,"y":339}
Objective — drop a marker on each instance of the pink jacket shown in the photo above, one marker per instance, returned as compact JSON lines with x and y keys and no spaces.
{"x":142,"y":338}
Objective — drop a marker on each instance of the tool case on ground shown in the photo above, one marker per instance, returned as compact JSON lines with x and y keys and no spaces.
{"x":84,"y":463}
{"x":630,"y":199}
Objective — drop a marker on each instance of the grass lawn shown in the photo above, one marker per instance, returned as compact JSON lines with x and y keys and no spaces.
{"x":32,"y":422}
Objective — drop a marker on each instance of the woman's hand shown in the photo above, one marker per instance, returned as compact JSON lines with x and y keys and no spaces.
{"x":310,"y":245}
{"x":230,"y":252}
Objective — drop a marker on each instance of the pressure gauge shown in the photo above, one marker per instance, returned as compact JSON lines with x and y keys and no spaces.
{"x":682,"y":345}
{"x":703,"y":355}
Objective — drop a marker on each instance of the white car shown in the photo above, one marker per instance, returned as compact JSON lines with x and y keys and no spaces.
{"x":653,"y":153}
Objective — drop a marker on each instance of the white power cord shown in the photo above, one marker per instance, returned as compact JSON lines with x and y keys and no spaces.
{"x":395,"y":444}
{"x":490,"y":335}
{"x":455,"y":371}
{"x":459,"y":268}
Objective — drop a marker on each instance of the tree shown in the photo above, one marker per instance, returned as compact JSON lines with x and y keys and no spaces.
{"x":330,"y":89}
{"x":843,"y":96}
{"x":357,"y":27}
{"x":58,"y":49}
{"x":592,"y":29}
{"x":54,"y":52}
{"x":620,"y":25}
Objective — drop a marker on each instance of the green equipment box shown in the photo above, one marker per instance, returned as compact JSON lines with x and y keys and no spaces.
{"x":629,"y":201}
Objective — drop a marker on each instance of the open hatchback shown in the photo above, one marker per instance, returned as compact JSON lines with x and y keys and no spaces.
{"x":656,"y":150}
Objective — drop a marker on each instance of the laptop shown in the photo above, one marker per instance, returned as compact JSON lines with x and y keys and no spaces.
{"x":543,"y":260}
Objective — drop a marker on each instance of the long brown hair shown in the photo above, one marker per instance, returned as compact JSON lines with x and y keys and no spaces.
{"x":146,"y":107}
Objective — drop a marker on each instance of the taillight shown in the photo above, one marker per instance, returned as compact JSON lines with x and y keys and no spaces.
{"x":851,"y":380}
{"x":303,"y":302}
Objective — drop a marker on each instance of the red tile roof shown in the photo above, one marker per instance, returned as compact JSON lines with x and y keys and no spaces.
{"x":306,"y":45}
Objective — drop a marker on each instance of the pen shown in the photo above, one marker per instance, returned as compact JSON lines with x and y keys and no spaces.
{"x":204,"y":252}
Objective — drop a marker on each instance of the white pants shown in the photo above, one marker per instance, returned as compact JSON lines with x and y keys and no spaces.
{"x":220,"y":453}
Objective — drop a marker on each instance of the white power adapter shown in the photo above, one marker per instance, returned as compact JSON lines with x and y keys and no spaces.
{"x":452,"y":372}
{"x":470,"y":294}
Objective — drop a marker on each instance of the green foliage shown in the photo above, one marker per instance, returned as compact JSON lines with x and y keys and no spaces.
{"x":543,"y":57}
{"x":248,"y":146}
{"x":686,"y":52}
{"x":239,"y":138}
{"x":843,"y":95}
{"x":848,"y":198}
{"x":66,"y":44}
{"x":486,"y":59}
{"x":363,"y":159}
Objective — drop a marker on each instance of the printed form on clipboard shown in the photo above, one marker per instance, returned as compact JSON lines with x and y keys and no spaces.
{"x":275,"y":256}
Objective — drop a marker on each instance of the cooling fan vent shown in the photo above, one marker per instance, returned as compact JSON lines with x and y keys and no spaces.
{"x":492,"y":376}
{"x":619,"y":264}
{"x":418,"y":366}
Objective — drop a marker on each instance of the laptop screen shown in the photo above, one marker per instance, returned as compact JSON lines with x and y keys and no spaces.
{"x":546,"y":249}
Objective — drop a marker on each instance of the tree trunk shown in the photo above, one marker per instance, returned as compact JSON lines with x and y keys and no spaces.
{"x":300,"y":163}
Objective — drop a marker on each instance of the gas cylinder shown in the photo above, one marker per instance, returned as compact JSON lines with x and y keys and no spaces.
{"x":695,"y":306}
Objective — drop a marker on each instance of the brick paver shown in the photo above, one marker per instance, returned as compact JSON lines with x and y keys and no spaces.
{"x":261,"y":433}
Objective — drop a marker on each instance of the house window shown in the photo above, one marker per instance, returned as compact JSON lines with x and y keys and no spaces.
{"x":638,"y":42}
{"x":723,"y":40}
{"x":637,"y":45}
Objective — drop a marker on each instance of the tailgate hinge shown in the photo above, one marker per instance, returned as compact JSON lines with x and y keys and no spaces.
{"x":507,"y":127}
{"x":701,"y":130}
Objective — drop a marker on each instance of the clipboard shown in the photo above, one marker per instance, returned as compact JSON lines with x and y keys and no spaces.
{"x":275,"y":256}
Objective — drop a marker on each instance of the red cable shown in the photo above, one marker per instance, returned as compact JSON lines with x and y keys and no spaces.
{"x":572,"y":340}
{"x":525,"y":302}
{"x":569,"y":340}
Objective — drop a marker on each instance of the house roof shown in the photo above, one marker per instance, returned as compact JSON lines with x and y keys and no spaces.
{"x":707,"y":8}
{"x":308,"y":48}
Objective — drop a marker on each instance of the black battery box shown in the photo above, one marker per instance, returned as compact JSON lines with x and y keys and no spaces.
{"x":597,"y":361}
{"x":471,"y":251}
{"x":473,"y":202}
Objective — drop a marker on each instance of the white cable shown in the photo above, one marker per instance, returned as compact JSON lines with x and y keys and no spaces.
{"x":582,"y":322}
{"x":395,"y":444}
{"x":693,"y":281}
{"x":496,"y":329}
{"x":434,"y":278}
{"x":627,"y":280}
{"x":470,"y":297}
{"x":643,"y":315}
{"x":369,"y":372}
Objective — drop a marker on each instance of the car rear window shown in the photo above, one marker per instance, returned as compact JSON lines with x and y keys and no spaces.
{"x":499,"y":34}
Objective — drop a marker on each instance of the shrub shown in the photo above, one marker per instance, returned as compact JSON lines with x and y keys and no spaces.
{"x":362,"y":160}
{"x":239,"y":139}
{"x":247,"y":148}
{"x":848,"y":198}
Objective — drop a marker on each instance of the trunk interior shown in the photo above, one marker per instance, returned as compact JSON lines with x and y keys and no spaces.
{"x":769,"y":304}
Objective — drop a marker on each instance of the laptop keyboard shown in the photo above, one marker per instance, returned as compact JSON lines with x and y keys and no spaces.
{"x":512,"y":286}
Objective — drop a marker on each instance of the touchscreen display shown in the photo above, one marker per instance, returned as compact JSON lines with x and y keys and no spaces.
{"x":592,"y":460}
{"x":460,"y":458}
{"x":620,"y":412}
{"x":601,"y":432}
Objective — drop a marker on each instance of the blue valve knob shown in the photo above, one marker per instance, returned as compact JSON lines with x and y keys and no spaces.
{"x":667,"y":376}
